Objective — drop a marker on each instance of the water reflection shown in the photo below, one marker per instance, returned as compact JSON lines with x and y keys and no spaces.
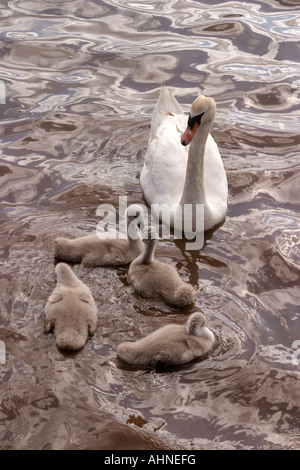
{"x":81,"y":80}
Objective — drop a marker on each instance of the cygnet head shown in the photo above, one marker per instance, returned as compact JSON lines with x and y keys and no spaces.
{"x":150,"y":236}
{"x":135,"y":213}
{"x":203,"y":110}
{"x":195,"y":324}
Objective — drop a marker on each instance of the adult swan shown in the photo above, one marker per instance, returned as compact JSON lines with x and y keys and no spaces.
{"x":173,"y":177}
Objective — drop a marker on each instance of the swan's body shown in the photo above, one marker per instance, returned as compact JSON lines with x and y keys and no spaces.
{"x":154,"y":279}
{"x":175,"y":176}
{"x":170,"y":345}
{"x":92,"y":251}
{"x":70,"y":310}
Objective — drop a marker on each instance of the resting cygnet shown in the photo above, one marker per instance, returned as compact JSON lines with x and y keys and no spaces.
{"x":154,"y":279}
{"x":70,"y":310}
{"x":170,"y":345}
{"x":92,"y":251}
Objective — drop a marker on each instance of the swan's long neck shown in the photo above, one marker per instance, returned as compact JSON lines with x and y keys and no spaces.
{"x":194,"y":192}
{"x":148,"y":254}
{"x":134,"y":238}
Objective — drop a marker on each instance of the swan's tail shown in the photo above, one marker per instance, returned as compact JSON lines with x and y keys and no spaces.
{"x":183,"y":297}
{"x":166,"y":104}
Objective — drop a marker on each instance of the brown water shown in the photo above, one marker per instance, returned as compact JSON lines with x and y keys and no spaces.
{"x":81,"y":79}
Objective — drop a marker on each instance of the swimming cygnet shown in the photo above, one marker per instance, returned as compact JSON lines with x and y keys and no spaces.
{"x":70,"y":310}
{"x":92,"y":251}
{"x":170,"y":345}
{"x":155,"y":279}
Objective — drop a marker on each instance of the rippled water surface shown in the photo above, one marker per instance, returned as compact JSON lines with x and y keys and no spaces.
{"x":79,"y":80}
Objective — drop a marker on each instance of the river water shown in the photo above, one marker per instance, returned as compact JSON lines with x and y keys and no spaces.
{"x":79,"y":80}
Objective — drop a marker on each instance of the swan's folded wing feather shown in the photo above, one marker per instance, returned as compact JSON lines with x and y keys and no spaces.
{"x":215,"y":180}
{"x":163,"y":173}
{"x":165,"y":105}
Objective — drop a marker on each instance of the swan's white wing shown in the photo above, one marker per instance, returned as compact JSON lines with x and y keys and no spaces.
{"x":163,"y":174}
{"x":215,"y":180}
{"x":165,"y":105}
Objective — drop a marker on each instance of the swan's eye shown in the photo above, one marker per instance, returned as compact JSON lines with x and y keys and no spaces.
{"x":194,"y":120}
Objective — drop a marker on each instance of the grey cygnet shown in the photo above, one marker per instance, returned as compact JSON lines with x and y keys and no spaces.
{"x":92,"y":251}
{"x":155,"y":279}
{"x":70,"y":310}
{"x":170,"y":345}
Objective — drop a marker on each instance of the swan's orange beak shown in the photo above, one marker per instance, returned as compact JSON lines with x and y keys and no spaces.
{"x":188,"y":134}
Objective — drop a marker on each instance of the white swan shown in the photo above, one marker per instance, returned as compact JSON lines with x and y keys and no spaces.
{"x":155,"y":279}
{"x":70,"y":310}
{"x":170,"y":345}
{"x":92,"y":251}
{"x":173,"y":176}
